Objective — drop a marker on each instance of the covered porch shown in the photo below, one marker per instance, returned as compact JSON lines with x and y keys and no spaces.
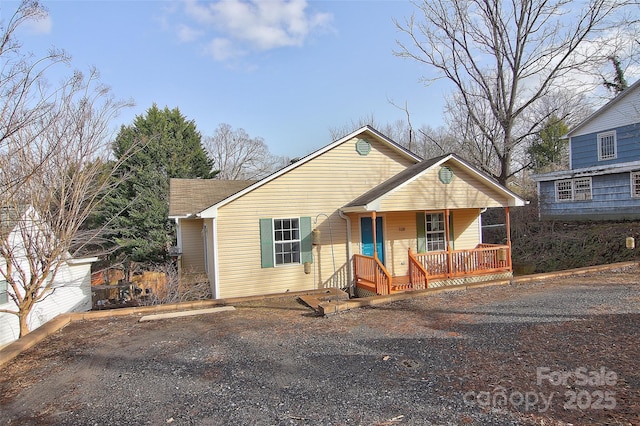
{"x":372,"y":276}
{"x":430,"y":218}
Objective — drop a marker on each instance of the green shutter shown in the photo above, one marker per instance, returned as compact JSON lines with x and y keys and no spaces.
{"x":266,"y":242}
{"x":306,"y":243}
{"x":422,"y":233}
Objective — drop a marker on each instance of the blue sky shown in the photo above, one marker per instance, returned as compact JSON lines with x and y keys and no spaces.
{"x":284,"y":71}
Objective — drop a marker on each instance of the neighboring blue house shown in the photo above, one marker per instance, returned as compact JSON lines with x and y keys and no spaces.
{"x":603,"y":182}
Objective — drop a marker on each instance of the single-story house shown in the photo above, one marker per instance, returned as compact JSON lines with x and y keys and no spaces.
{"x":362,"y":213}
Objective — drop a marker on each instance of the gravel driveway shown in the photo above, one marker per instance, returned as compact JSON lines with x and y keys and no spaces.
{"x":556,"y":352}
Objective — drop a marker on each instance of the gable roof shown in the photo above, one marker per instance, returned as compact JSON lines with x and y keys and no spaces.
{"x":188,"y":197}
{"x":210,"y":211}
{"x":415,"y":171}
{"x":613,"y":102}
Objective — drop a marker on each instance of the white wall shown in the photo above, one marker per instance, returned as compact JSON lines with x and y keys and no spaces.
{"x":71,"y":293}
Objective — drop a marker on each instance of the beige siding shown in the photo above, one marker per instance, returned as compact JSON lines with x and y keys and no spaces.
{"x":466,"y":228}
{"x":192,"y":245}
{"x":71,"y":293}
{"x":427,"y":192}
{"x":317,"y":188}
{"x":400,"y":235}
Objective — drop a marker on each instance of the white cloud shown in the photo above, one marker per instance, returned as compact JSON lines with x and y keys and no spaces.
{"x":254,"y":25}
{"x":188,"y":34}
{"x":41,"y":25}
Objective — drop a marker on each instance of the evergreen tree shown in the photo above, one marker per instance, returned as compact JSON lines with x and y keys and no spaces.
{"x":159,"y":145}
{"x":549,"y":150}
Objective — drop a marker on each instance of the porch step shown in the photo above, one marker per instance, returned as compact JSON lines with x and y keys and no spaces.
{"x":314,"y":300}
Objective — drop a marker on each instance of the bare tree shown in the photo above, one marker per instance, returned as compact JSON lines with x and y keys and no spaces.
{"x":54,"y":166}
{"x":239,"y":156}
{"x":503,"y":57}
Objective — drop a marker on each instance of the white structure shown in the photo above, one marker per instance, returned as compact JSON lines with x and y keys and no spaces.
{"x":70,"y":291}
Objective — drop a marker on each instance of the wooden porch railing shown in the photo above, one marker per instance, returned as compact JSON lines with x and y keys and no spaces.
{"x":371,"y":274}
{"x":484,"y":259}
{"x":417,"y":274}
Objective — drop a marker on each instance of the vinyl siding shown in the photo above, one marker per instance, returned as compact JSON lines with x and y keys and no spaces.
{"x":466,"y":228}
{"x":72,"y":295}
{"x":611,"y":199}
{"x":192,"y":245}
{"x":624,"y":113}
{"x":316,"y":189}
{"x":584,"y":148}
{"x":427,"y":192}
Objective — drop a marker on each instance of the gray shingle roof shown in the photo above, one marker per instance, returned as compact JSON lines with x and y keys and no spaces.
{"x":190,"y":196}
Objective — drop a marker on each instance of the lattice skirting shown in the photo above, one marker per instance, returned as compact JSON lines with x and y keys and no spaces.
{"x":360,"y":292}
{"x":471,"y":280}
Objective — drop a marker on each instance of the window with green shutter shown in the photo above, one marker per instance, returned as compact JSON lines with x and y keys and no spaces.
{"x":285,"y":241}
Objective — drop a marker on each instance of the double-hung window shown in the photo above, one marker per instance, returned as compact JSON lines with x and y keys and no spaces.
{"x":573,"y":189}
{"x":435,"y":231}
{"x":286,"y":240}
{"x":635,"y":184}
{"x":607,"y":149}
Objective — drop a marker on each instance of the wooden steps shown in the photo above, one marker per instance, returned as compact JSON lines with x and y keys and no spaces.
{"x":316,"y":300}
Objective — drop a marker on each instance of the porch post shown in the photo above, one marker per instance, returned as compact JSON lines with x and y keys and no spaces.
{"x":447,"y":241}
{"x":508,"y":228}
{"x":375,"y":237}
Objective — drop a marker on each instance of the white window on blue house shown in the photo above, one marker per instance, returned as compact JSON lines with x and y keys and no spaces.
{"x":607,"y":146}
{"x":4,"y":296}
{"x":635,"y":184}
{"x":573,"y":189}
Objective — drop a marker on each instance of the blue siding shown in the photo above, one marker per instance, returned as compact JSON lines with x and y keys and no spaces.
{"x":584,"y":149}
{"x":611,"y":199}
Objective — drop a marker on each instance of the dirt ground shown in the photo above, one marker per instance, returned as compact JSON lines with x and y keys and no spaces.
{"x":562,"y":351}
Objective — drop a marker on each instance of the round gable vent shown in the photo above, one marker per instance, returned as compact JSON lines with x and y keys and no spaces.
{"x":445,"y":174}
{"x":363,"y":147}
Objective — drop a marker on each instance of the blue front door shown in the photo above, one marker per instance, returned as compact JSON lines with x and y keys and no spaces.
{"x":366,"y":231}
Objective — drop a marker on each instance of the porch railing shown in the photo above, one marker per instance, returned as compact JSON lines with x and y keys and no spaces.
{"x":484,"y":259}
{"x":417,"y":274}
{"x":371,"y":274}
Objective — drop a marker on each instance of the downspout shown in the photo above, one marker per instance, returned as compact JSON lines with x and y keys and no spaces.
{"x":215,"y":287}
{"x":349,"y":262}
{"x":482,"y":210}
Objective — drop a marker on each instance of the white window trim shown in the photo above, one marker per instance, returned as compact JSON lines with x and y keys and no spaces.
{"x":575,"y":194}
{"x":635,"y":184}
{"x":615,"y":145}
{"x":443,"y":231}
{"x":276,"y":242}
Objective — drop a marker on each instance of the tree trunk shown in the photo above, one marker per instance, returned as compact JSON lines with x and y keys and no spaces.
{"x":24,"y":327}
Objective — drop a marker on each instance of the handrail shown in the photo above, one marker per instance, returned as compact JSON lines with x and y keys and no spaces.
{"x":372,"y":273}
{"x":417,"y":273}
{"x":483,"y":259}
